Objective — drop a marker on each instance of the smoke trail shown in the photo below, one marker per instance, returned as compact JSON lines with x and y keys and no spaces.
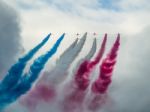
{"x":15,"y":72}
{"x":92,"y":51}
{"x":64,"y":62}
{"x":82,"y":75}
{"x":66,"y":59}
{"x":100,"y":53}
{"x":66,"y":53}
{"x":89,"y":55}
{"x":74,"y":97}
{"x":100,"y":86}
{"x":106,"y":68}
{"x":25,"y":82}
{"x":45,"y":90}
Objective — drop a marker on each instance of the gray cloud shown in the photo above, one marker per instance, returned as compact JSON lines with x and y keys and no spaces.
{"x":9,"y":36}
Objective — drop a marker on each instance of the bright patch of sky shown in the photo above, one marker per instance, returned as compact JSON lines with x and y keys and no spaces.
{"x":110,"y":4}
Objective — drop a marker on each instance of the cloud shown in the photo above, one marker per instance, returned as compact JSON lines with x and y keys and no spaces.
{"x":74,"y":16}
{"x":130,"y":88}
{"x":9,"y":36}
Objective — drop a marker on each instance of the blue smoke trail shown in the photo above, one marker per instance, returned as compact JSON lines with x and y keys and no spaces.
{"x":25,"y":82}
{"x":56,"y":75}
{"x":16,"y":70}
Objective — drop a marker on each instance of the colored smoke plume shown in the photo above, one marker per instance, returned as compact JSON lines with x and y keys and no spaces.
{"x":22,"y":83}
{"x":51,"y":79}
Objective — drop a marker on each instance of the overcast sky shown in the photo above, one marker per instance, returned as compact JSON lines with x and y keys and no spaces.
{"x":130,"y":89}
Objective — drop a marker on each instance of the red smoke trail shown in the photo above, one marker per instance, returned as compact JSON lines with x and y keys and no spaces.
{"x":106,"y":69}
{"x":100,"y":86}
{"x":82,"y":74}
{"x":46,"y":89}
{"x":45,"y":95}
{"x":74,"y":99}
{"x":42,"y":91}
{"x":100,"y":53}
